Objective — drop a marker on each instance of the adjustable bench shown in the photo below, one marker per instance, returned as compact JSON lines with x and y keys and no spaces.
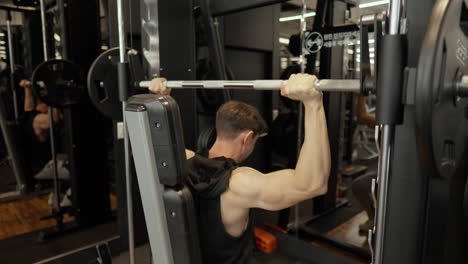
{"x":156,"y":137}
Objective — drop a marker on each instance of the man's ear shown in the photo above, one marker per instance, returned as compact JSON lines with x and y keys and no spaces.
{"x":248,"y":136}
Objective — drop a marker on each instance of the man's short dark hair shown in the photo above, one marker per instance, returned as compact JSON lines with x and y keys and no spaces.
{"x":235,"y":117}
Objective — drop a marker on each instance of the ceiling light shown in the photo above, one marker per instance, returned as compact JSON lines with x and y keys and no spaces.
{"x":374,"y":3}
{"x":290,"y":18}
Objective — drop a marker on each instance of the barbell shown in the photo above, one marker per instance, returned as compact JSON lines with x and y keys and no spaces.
{"x":325,"y":85}
{"x":460,"y":88}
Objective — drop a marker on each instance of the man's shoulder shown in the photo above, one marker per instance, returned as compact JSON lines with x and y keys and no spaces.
{"x":243,"y":171}
{"x":244,"y":179}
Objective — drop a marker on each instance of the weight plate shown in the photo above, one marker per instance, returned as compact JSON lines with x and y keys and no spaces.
{"x":206,"y":139}
{"x":441,"y":116}
{"x":103,"y":86}
{"x":58,"y":83}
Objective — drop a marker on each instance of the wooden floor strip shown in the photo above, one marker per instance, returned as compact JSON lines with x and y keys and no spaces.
{"x":23,"y":216}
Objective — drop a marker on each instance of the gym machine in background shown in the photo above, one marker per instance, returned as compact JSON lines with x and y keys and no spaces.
{"x":9,"y":124}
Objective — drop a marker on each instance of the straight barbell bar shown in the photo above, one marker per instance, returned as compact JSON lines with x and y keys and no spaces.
{"x":261,"y":85}
{"x":325,"y":85}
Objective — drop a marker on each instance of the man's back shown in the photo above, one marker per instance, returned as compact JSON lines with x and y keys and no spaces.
{"x":209,"y":179}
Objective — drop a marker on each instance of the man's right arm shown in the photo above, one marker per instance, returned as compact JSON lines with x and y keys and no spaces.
{"x":278,"y":190}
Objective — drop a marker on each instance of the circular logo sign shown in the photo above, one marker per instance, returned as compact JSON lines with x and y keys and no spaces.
{"x":313,"y":42}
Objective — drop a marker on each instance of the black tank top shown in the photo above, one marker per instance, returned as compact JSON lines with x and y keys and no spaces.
{"x":208,"y":179}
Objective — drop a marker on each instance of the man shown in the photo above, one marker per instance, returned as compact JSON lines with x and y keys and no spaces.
{"x":34,"y":125}
{"x":36,"y":115}
{"x":36,"y":128}
{"x":225,"y":192}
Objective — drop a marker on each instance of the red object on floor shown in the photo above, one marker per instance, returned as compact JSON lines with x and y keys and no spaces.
{"x":266,"y":242}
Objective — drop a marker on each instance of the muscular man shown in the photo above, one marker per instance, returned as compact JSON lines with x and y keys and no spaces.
{"x":225,"y":192}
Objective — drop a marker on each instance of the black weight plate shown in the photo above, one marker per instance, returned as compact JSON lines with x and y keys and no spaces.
{"x":206,"y":139}
{"x":103,"y":84}
{"x":441,"y":117}
{"x":58,"y":83}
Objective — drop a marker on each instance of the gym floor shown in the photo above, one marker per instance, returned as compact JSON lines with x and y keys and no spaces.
{"x":23,"y":216}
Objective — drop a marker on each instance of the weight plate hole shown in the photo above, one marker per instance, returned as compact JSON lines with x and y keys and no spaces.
{"x":101,"y":91}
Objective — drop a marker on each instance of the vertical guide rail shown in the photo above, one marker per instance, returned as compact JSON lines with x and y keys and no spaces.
{"x":123,"y":88}
{"x":388,"y":131}
{"x":215,"y":45}
{"x":51,"y":121}
{"x":44,"y":32}
{"x":11,"y":56}
{"x":150,"y":36}
{"x":300,"y":121}
{"x":63,"y":25}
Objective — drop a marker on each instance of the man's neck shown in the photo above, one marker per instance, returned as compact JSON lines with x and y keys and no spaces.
{"x":225,"y":149}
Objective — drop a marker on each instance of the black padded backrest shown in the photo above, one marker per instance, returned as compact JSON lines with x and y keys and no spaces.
{"x":166,"y":134}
